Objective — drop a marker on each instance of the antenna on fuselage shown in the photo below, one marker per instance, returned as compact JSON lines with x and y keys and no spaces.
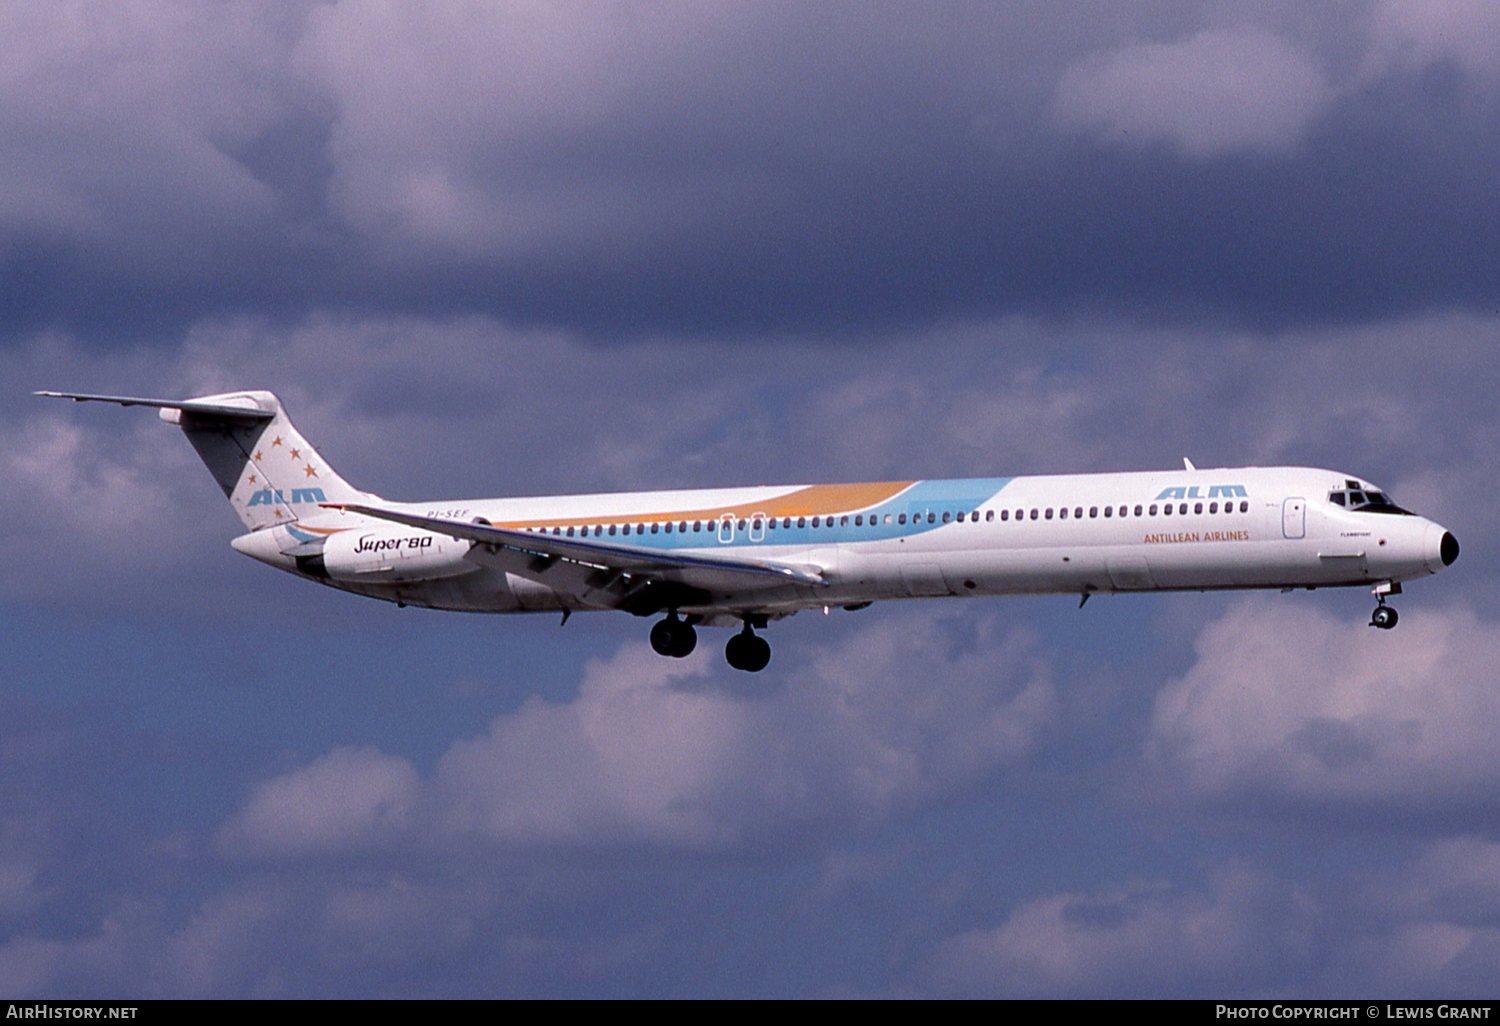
{"x":1188,"y":463}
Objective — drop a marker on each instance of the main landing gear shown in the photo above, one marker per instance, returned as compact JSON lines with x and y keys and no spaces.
{"x":674,"y":637}
{"x":1384,"y":616}
{"x":746,"y":651}
{"x":677,"y":638}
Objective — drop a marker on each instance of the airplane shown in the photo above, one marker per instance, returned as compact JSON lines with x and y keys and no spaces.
{"x":747,"y":556}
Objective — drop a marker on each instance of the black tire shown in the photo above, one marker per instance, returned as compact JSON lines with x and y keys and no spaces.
{"x":757,"y":654}
{"x":734,"y":651}
{"x":664,"y":637}
{"x":1384,"y":617}
{"x":748,"y":652}
{"x":684,"y":640}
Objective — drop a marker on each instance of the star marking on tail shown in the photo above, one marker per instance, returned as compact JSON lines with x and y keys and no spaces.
{"x":310,"y":471}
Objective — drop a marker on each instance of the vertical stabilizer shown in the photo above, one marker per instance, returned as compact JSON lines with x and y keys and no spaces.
{"x":267,"y":470}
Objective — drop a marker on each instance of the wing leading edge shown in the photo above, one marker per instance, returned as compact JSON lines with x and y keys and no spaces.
{"x":714,"y":573}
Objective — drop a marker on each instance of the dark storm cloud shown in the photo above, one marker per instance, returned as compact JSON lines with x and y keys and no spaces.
{"x":627,"y":168}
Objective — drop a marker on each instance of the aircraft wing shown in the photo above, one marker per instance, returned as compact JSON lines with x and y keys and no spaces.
{"x":715,"y":573}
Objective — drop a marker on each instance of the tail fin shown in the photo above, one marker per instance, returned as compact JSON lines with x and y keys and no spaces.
{"x":267,"y":470}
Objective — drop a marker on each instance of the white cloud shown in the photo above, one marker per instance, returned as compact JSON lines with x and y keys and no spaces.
{"x":1218,"y":92}
{"x":1139,"y":940}
{"x":351,"y":797}
{"x":1415,"y":34}
{"x":1288,"y":706}
{"x":662,"y":753}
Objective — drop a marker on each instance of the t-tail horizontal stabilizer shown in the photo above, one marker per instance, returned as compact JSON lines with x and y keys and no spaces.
{"x":266,"y":469}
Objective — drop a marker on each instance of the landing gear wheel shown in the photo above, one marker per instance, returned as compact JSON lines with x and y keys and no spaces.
{"x":1384,"y":617}
{"x":674,"y":638}
{"x":747,"y":652}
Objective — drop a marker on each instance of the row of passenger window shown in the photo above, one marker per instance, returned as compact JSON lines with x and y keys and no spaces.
{"x":759,"y":524}
{"x":1166,"y":510}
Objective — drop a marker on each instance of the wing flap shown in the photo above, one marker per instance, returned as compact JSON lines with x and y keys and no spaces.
{"x":713,"y":572}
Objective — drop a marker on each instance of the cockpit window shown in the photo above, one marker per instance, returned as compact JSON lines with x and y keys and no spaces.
{"x":1365,"y":500}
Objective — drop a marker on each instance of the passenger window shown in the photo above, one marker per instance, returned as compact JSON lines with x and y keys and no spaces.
{"x":1093,"y":512}
{"x":801,"y":521}
{"x":1004,"y":514}
{"x":1109,"y":511}
{"x":1063,"y":513}
{"x":901,"y":519}
{"x":888,"y":520}
{"x":611,"y":528}
{"x":859,"y":520}
{"x":1182,"y":509}
{"x":1213,"y":507}
{"x":655,"y":528}
{"x":989,"y":515}
{"x":843,"y":521}
{"x":1035,"y":513}
{"x":697,"y":526}
{"x":756,"y":525}
{"x":960,"y":517}
{"x":947,"y":517}
{"x":1138,"y":510}
{"x":932,"y":518}
{"x":1197,"y":507}
{"x":1244,"y":507}
{"x":740,"y":525}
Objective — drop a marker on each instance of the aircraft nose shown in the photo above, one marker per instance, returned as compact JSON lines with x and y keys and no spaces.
{"x":1442,"y":548}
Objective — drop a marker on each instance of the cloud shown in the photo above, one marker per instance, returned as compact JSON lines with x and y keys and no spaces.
{"x":1215,"y":93}
{"x":1413,"y":35}
{"x":351,"y":797}
{"x":1141,"y":940}
{"x":1292,"y":709}
{"x":678,"y":755}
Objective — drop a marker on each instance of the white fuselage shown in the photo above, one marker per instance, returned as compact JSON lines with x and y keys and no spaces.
{"x":1272,"y":527}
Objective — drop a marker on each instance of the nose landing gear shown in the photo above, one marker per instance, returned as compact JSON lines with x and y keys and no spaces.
{"x":1384,"y":616}
{"x":746,"y":651}
{"x":673,"y":637}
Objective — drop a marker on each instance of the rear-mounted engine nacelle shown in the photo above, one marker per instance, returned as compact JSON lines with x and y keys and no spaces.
{"x":395,"y":554}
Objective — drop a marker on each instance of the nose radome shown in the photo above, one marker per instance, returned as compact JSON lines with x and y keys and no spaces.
{"x":1440,"y":548}
{"x":1448,"y":548}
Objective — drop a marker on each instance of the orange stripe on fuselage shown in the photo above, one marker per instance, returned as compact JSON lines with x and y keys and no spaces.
{"x":814,"y":500}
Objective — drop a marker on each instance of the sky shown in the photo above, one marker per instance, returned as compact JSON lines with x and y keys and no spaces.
{"x":523,"y":248}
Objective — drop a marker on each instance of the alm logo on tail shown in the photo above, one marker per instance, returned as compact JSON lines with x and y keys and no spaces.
{"x":270,"y":497}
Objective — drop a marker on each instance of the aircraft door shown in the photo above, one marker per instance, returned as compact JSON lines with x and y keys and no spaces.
{"x":757,"y":527}
{"x":726,"y":529}
{"x":1294,"y":518}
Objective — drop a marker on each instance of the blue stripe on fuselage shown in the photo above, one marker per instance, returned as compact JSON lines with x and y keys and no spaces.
{"x":915,"y":502}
